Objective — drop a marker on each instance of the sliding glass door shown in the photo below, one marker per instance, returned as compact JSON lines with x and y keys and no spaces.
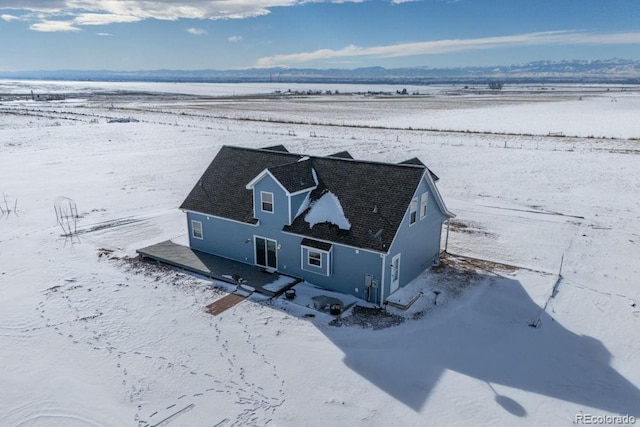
{"x":266,"y":252}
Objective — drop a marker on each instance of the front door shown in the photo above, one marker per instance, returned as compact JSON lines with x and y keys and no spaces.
{"x":266,"y":252}
{"x":395,"y":273}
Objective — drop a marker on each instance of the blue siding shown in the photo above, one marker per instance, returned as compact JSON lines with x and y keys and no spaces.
{"x":325,"y":261}
{"x":296,"y":202}
{"x":347,"y":268}
{"x":418,"y":243}
{"x":348,"y":271}
{"x":223,"y":237}
{"x":280,"y":215}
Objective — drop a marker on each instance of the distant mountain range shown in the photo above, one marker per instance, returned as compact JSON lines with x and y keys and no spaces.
{"x":568,"y":71}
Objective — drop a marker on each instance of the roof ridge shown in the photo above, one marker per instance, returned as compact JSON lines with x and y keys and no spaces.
{"x":370,"y":162}
{"x":301,"y":160}
{"x":338,"y":159}
{"x":259,"y":150}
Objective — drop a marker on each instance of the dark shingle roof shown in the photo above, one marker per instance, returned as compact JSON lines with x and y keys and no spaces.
{"x":374,"y":196}
{"x":294,"y":176}
{"x":316,"y":244}
{"x":412,"y":161}
{"x":416,"y":161}
{"x":279,"y":148}
{"x":221,"y":189}
{"x":342,"y":155}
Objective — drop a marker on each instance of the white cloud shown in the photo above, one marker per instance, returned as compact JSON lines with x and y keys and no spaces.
{"x":455,"y":45}
{"x":9,"y":18}
{"x":103,"y":19}
{"x":54,"y":26}
{"x":197,"y":31}
{"x":103,"y":12}
{"x":104,"y":34}
{"x":235,"y":39}
{"x":34,"y":5}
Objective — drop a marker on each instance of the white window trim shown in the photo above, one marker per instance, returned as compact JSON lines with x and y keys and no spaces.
{"x":395,"y":270}
{"x":193,"y":229}
{"x":413,"y":209}
{"x":255,"y":252}
{"x":262,"y":193}
{"x":394,"y":283}
{"x":424,"y":200}
{"x":323,"y":270}
{"x":309,"y":252}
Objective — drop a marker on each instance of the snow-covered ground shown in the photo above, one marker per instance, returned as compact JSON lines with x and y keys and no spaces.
{"x":88,"y":338}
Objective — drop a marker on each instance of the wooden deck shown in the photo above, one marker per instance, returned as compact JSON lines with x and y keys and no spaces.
{"x":216,"y":267}
{"x":225,"y":303}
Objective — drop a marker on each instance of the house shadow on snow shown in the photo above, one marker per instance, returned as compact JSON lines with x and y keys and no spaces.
{"x":486,"y":335}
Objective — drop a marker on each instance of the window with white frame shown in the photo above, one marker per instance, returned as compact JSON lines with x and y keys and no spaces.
{"x":413,"y":212}
{"x":315,"y":258}
{"x":196,"y":229}
{"x":266,"y":200}
{"x":423,"y":204}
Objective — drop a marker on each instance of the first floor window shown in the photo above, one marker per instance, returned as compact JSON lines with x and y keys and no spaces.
{"x":267,"y":201}
{"x":315,"y":258}
{"x":196,"y":229}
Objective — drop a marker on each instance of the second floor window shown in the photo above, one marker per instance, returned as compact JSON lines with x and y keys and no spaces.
{"x":423,"y":204}
{"x":413,"y":211}
{"x":266,"y":201}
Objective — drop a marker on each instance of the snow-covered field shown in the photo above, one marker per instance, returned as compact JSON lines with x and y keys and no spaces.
{"x":89,"y":338}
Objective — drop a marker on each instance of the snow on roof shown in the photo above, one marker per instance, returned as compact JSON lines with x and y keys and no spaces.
{"x":327,"y":209}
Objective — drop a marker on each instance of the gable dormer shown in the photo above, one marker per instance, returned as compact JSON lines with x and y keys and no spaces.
{"x":280,"y":191}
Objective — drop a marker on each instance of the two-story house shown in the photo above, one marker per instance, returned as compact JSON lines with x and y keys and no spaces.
{"x":358,"y":227}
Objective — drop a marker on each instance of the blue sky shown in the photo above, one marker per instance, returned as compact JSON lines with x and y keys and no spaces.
{"x":231,"y":34}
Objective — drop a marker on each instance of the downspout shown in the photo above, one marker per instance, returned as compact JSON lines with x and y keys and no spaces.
{"x":384,"y":262}
{"x":446,"y":239}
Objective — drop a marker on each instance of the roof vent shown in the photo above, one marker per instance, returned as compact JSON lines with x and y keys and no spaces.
{"x":377,"y":235}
